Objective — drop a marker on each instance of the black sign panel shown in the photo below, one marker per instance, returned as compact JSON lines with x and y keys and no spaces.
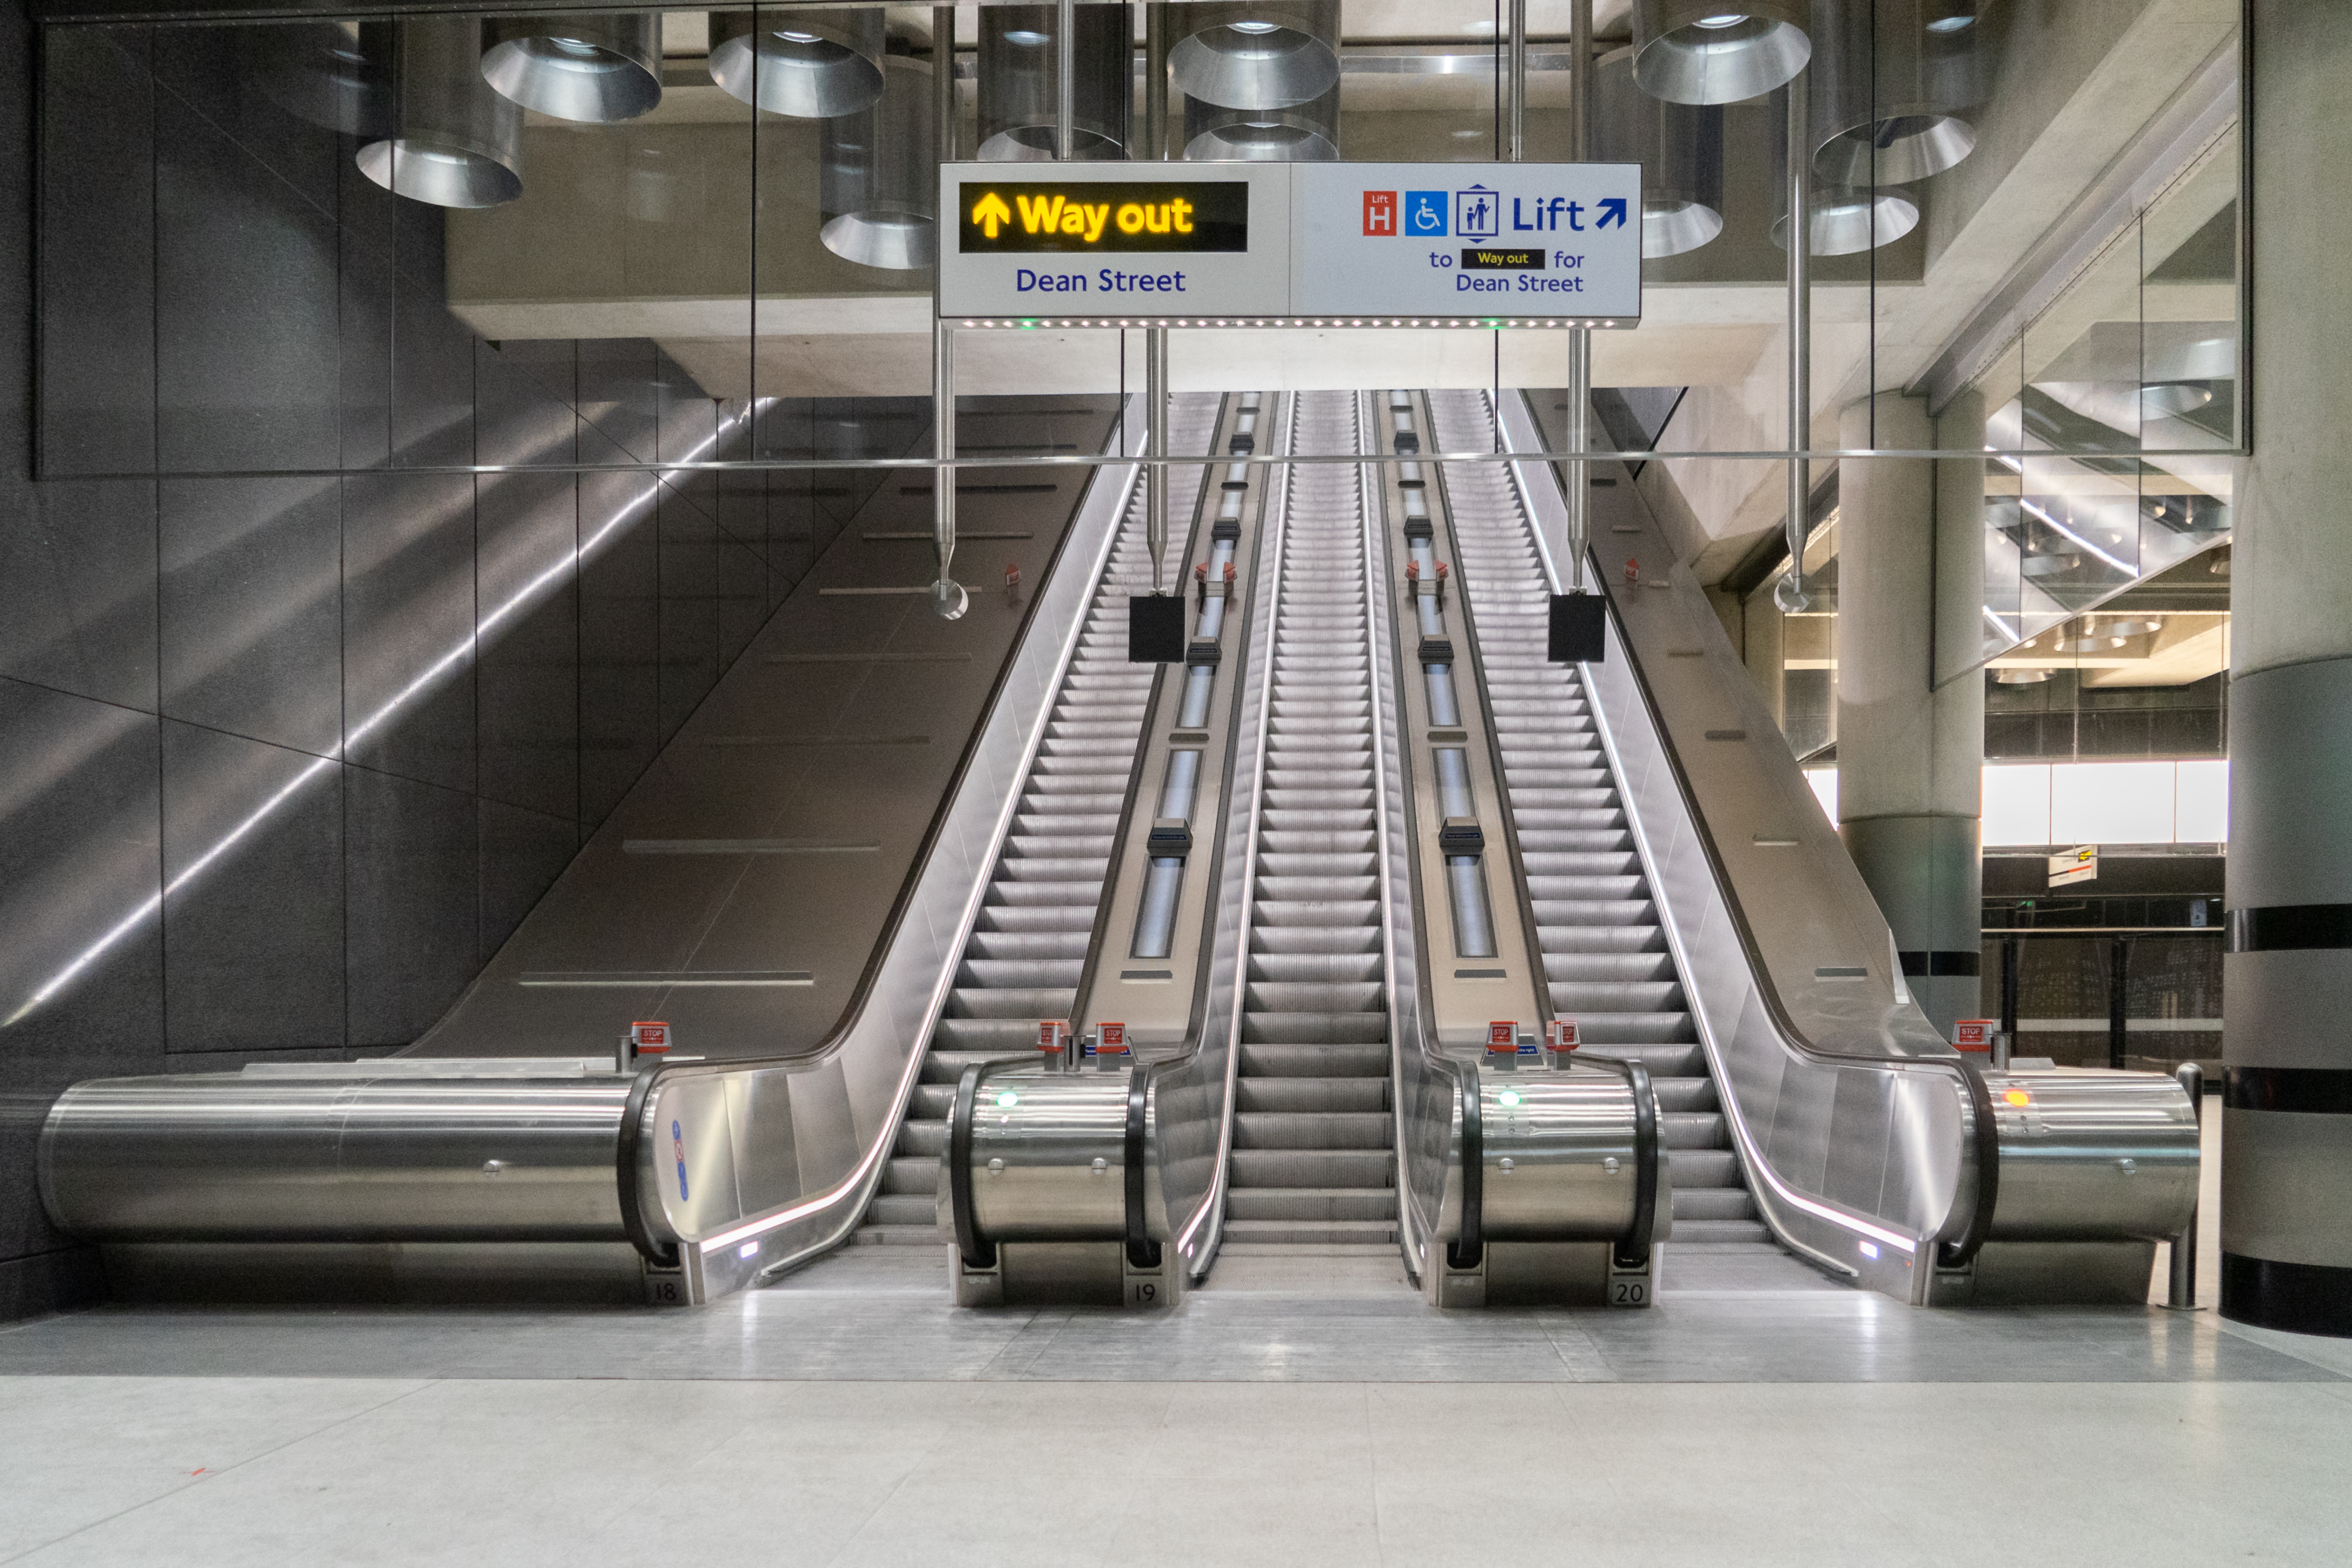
{"x":1494,"y":260}
{"x":1102,"y":218}
{"x":1579,"y":631}
{"x":1155,"y":628}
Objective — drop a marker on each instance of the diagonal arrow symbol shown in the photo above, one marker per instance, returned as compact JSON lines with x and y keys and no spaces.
{"x":1612,"y":213}
{"x":991,"y":212}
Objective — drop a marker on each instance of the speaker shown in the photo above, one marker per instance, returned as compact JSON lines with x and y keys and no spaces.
{"x":1155,"y":628}
{"x":1579,"y":629}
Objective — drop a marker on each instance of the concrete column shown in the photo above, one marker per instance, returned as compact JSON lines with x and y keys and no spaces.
{"x":1910,"y":755}
{"x":2286,"y":1130}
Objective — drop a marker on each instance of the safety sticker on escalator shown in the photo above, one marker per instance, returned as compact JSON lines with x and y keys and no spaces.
{"x":677,"y":1147}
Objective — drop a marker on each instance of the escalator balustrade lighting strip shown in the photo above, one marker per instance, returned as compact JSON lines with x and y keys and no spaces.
{"x":636,"y":977}
{"x":743,"y":846}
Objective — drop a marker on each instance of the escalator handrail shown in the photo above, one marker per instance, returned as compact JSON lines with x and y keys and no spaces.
{"x":1143,"y":1252}
{"x":1984,"y":1143}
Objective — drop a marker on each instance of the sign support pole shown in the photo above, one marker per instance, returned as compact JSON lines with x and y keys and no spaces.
{"x":1790,"y":595}
{"x":947,"y":596}
{"x":1516,"y":108}
{"x":1065,"y":78}
{"x":1155,"y":504}
{"x":1580,"y":339}
{"x":1155,"y":339}
{"x":943,"y":89}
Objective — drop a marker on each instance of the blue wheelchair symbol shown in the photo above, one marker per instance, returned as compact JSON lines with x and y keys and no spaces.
{"x":1424,"y":212}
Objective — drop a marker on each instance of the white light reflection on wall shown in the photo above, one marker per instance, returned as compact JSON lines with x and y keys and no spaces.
{"x":486,"y":630}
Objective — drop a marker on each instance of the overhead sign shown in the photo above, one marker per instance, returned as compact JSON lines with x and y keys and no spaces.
{"x":1325,"y":244}
{"x":1106,"y":217}
{"x":1473,"y":240}
{"x":1094,"y":241}
{"x":2075,"y":866}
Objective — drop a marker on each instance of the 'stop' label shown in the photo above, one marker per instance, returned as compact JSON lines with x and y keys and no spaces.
{"x":1103,"y":217}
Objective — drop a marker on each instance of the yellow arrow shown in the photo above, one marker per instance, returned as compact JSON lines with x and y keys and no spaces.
{"x":991,"y":214}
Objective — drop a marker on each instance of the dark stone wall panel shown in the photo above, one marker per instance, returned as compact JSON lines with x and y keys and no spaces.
{"x":81,"y":967}
{"x":80,"y":570}
{"x":408,"y":625}
{"x":522,"y":854}
{"x":250,"y":601}
{"x":527,"y":631}
{"x":620,"y":638}
{"x":247,"y":371}
{"x":253,"y":938}
{"x":97,"y":234}
{"x":411,"y":870}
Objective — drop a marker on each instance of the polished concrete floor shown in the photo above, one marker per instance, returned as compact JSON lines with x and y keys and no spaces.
{"x":1306,"y":1408}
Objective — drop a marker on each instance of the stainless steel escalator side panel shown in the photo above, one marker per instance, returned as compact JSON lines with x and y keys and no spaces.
{"x":1856,"y":1122}
{"x":809,"y":1139}
{"x":2089,"y":1156}
{"x":1048,"y":1154}
{"x":1561,"y":1157}
{"x":220,"y":1157}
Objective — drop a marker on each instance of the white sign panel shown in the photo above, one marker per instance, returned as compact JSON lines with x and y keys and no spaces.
{"x":2075,"y":866}
{"x":1071,"y":240}
{"x":1462,"y":244}
{"x":1484,"y":240}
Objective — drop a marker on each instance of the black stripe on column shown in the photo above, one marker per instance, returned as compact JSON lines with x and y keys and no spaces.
{"x":2300,"y":1298}
{"x":2327,"y":1091}
{"x":2287,"y":928}
{"x":1962,"y":962}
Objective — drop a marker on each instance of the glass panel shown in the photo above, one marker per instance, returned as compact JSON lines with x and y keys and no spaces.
{"x":2189,"y":399}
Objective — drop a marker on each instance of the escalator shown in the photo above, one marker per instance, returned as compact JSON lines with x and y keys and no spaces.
{"x":1022,"y":960}
{"x":1605,"y":958}
{"x":1403,"y":843}
{"x":1313,"y":1160}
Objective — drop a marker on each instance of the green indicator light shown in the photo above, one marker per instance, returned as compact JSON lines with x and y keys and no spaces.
{"x":1509,"y":1097}
{"x":1007,"y":1101}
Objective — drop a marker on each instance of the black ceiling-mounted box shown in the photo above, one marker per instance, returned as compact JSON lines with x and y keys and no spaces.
{"x":1155,"y":628}
{"x":1579,"y":629}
